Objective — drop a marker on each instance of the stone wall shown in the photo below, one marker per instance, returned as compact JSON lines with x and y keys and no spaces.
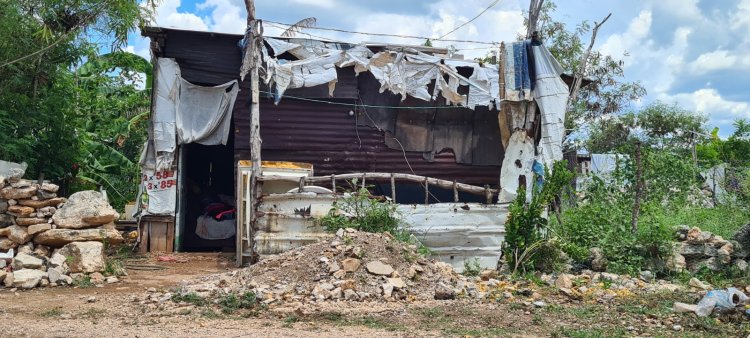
{"x":45,"y":239}
{"x":697,"y":249}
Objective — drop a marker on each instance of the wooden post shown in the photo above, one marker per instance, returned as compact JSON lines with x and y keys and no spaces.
{"x":426,"y":191}
{"x":455,"y":191}
{"x":251,"y":61}
{"x":487,"y":194}
{"x":333,"y":183}
{"x":638,"y":188}
{"x":393,"y":188}
{"x":364,"y":177}
{"x":301,"y":184}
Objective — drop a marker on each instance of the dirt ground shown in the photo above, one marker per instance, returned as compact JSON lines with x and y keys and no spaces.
{"x":115,"y":311}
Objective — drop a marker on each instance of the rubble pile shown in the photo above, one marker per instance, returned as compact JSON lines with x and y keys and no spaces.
{"x":46,"y":240}
{"x":354,"y":266}
{"x":697,"y":249}
{"x":366,"y":267}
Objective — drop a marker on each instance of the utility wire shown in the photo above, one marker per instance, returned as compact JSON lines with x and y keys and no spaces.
{"x":390,"y":35}
{"x":323,"y":38}
{"x":361,"y":105}
{"x":472,"y":19}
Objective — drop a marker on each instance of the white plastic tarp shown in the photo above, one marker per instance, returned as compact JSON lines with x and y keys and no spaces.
{"x":551,"y":95}
{"x":401,"y":73}
{"x":182,"y":112}
{"x":205,"y":113}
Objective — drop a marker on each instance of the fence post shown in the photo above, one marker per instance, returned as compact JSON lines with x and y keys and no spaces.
{"x":393,"y":187}
{"x":426,"y":191}
{"x":333,"y":183}
{"x":301,"y":184}
{"x":455,"y":191}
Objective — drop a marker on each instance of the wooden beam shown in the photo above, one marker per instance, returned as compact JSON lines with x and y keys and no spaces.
{"x":445,"y":184}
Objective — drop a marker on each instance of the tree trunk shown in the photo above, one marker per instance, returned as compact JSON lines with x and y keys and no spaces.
{"x":535,"y":6}
{"x":638,"y":188}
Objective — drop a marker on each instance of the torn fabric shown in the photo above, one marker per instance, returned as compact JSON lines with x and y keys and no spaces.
{"x":404,"y":74}
{"x":518,"y":83}
{"x":205,"y":113}
{"x":551,"y":95}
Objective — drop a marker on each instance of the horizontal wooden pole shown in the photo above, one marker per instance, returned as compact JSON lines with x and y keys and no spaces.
{"x":445,"y":184}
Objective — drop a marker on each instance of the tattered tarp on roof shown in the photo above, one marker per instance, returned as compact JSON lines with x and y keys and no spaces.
{"x":405,"y":74}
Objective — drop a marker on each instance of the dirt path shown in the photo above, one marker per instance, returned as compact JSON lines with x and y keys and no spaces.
{"x":118,"y":311}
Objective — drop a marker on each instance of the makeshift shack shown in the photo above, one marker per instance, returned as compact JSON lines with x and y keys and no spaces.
{"x":408,"y":122}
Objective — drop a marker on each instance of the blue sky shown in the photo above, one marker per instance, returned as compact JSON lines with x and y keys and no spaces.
{"x":692,"y":52}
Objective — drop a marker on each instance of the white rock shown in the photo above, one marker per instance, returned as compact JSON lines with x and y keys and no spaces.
{"x":24,"y":260}
{"x":84,"y":257}
{"x":387,"y":289}
{"x":27,"y":278}
{"x":85,"y":209}
{"x":397,"y":282}
{"x":379,"y":268}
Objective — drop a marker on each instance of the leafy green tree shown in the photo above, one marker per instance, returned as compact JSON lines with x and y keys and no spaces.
{"x":657,"y":125}
{"x":608,"y":92}
{"x":44,"y":104}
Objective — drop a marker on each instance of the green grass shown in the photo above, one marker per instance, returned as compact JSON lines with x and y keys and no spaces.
{"x":191,"y":298}
{"x":723,"y":220}
{"x":83,"y":282}
{"x":591,"y":332}
{"x":54,"y":312}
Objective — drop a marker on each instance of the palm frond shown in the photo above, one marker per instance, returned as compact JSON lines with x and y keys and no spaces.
{"x":299,"y":26}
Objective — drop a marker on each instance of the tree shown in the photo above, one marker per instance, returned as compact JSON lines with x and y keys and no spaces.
{"x":657,"y":125}
{"x":608,"y":92}
{"x":42,"y":116}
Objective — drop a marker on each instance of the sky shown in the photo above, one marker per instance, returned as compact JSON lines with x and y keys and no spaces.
{"x":695,"y":53}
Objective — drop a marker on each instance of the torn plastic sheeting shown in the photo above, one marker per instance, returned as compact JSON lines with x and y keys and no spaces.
{"x":714,"y":299}
{"x":487,"y":86}
{"x":551,"y":95}
{"x":205,"y":113}
{"x":518,"y":162}
{"x":401,"y":73}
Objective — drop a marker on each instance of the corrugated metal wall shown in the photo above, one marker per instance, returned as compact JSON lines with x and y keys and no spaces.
{"x":319,"y":133}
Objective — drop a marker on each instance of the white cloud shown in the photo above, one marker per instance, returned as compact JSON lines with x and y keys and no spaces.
{"x":682,"y":9}
{"x":740,"y":20}
{"x":168,"y":15}
{"x":316,"y":3}
{"x":225,"y":17}
{"x":444,"y":16}
{"x":657,"y":66}
{"x":709,"y":101}
{"x":712,"y":61}
{"x":638,"y":30}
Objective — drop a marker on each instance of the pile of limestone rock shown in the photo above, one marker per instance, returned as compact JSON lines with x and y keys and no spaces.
{"x":46,"y":240}
{"x":698,"y":249}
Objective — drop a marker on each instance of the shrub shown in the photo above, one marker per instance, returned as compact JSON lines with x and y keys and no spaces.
{"x":360,"y":211}
{"x":528,"y":243}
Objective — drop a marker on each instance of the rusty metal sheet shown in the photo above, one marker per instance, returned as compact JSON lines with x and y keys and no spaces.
{"x":288,"y":221}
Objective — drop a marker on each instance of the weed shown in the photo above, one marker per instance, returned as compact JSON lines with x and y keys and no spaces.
{"x":231,"y":302}
{"x":54,"y":312}
{"x":537,"y":319}
{"x":472,"y":267}
{"x":290,"y":320}
{"x":210,"y":314}
{"x":83,"y":282}
{"x":191,"y":298}
{"x":592,"y":332}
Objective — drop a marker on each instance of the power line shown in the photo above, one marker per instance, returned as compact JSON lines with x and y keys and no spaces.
{"x":389,"y":35}
{"x":472,"y":19}
{"x":361,"y":105}
{"x":323,"y":38}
